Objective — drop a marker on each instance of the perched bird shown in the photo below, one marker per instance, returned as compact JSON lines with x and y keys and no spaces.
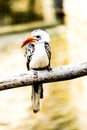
{"x":38,"y":54}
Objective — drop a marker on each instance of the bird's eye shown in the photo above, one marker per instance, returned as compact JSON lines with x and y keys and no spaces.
{"x":38,"y":36}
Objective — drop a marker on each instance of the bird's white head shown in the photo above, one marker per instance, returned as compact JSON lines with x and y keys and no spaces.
{"x":38,"y":35}
{"x":41,"y":35}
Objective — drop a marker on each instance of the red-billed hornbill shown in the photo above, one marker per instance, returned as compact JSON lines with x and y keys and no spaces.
{"x":38,"y":54}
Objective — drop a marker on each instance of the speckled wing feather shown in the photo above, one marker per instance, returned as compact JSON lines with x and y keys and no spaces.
{"x":28,"y":53}
{"x":48,"y":51}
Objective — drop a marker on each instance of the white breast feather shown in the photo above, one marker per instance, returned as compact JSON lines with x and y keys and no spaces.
{"x":39,"y":58}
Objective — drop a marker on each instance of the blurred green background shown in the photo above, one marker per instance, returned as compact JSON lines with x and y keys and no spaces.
{"x":64,"y":103}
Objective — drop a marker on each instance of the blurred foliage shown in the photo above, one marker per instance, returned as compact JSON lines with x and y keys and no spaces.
{"x":18,"y":11}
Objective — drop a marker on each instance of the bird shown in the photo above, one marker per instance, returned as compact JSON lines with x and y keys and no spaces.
{"x":38,"y":57}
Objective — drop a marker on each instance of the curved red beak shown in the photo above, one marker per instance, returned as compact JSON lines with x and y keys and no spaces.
{"x":29,"y":39}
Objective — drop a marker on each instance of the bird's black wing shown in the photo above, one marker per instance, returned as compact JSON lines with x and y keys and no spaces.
{"x":48,"y":51}
{"x":28,"y":53}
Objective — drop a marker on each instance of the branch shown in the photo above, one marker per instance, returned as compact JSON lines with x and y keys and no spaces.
{"x":43,"y":76}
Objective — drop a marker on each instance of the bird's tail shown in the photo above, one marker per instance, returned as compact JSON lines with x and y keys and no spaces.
{"x":37,"y":93}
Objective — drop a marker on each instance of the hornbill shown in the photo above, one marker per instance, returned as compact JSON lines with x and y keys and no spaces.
{"x":38,"y":55}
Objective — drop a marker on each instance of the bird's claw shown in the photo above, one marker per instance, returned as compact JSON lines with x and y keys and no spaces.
{"x":49,"y":68}
{"x":35,"y":75}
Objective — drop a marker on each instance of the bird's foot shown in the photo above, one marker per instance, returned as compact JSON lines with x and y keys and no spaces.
{"x":35,"y":75}
{"x":49,"y":68}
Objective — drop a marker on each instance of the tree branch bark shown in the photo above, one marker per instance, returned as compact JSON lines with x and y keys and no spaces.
{"x":60,"y":73}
